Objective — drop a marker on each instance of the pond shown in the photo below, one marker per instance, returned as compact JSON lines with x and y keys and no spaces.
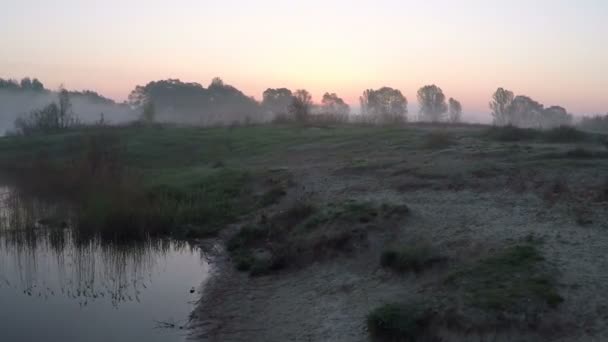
{"x":58,"y":287}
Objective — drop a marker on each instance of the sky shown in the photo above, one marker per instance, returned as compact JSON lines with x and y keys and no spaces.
{"x":552,"y":50}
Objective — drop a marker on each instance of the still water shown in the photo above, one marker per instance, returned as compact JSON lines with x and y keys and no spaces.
{"x":55,"y":287}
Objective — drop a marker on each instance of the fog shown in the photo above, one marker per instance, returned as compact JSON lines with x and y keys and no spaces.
{"x":86,"y":108}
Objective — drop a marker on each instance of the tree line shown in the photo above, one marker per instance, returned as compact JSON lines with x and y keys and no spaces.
{"x":172,"y":100}
{"x":220,"y":102}
{"x":523,"y":111}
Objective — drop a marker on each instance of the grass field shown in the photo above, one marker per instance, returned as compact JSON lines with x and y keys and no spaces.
{"x":415,"y":230}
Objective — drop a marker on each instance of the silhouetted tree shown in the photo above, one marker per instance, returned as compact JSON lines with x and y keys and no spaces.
{"x":65,"y":115}
{"x":332,"y":104}
{"x":384,"y":105}
{"x":191,"y":102}
{"x":26,"y":84}
{"x":37,"y":85}
{"x":454,"y":111}
{"x":501,"y":106}
{"x":300,"y":105}
{"x":277,"y":101}
{"x":525,"y":112}
{"x":432,"y":103}
{"x":52,"y":118}
{"x":555,"y":116}
{"x":148,"y":114}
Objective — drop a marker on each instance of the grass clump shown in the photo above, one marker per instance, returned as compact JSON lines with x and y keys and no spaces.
{"x":410,"y":258}
{"x":509,"y":281}
{"x":398,"y":322}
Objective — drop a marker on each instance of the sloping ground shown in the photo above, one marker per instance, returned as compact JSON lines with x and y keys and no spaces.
{"x":469,"y":198}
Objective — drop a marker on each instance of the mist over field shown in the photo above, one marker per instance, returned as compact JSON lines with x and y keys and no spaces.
{"x":88,"y":108}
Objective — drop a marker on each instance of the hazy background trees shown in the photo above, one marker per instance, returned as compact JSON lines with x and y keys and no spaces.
{"x":54,"y":117}
{"x":333,"y":104}
{"x":523,"y":111}
{"x":300,"y":105}
{"x":500,"y":106}
{"x":177,"y":101}
{"x":597,"y":123}
{"x":454,"y":111}
{"x":276,"y":102}
{"x":432,"y":103}
{"x":385,"y":105}
{"x":20,"y":98}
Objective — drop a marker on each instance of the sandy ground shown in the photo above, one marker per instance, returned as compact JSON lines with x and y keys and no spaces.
{"x":465,"y":217}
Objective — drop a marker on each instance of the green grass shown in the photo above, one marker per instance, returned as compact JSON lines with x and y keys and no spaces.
{"x":512,"y":280}
{"x":398,"y":322}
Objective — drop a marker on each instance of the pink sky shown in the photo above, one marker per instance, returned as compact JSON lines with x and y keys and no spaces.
{"x":549,"y":50}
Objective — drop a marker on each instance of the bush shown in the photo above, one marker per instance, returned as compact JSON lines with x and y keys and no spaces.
{"x":398,"y":322}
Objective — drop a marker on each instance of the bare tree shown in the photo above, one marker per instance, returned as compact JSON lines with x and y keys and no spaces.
{"x":300,"y":105}
{"x":454,"y":111}
{"x":432,"y":103}
{"x":501,"y":106}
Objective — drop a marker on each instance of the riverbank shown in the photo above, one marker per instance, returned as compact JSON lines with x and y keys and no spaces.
{"x":421,"y":231}
{"x":491,"y":211}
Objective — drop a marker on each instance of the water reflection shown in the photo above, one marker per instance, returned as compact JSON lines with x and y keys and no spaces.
{"x":91,"y":289}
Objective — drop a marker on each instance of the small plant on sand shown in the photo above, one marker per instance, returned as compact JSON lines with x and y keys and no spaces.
{"x":398,"y":322}
{"x":410,"y":258}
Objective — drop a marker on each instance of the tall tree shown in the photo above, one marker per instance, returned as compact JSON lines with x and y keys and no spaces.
{"x":525,"y":112}
{"x":432,"y":103}
{"x":384,"y":105}
{"x":501,"y":106}
{"x":454,"y":111}
{"x":300,"y":105}
{"x":277,"y":101}
{"x":555,"y":116}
